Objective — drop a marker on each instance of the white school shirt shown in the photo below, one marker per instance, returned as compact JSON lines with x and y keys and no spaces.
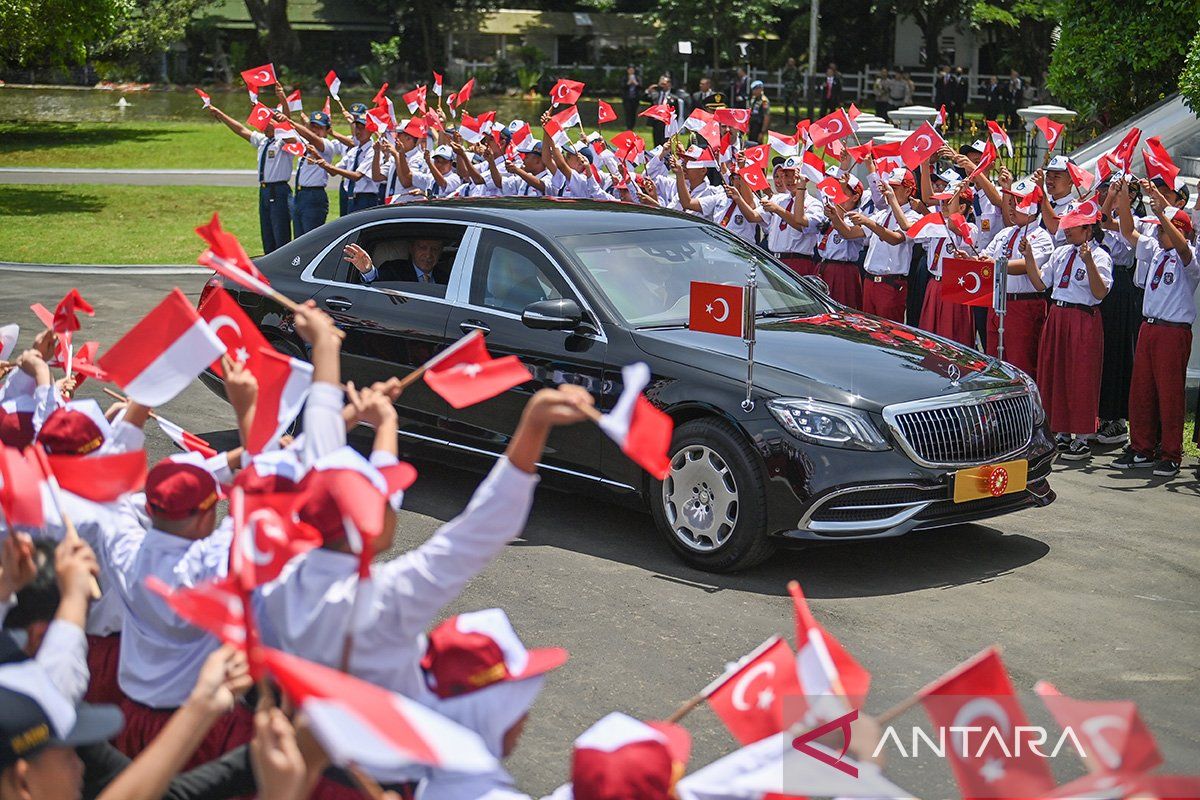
{"x":515,"y":185}
{"x":309,"y":175}
{"x":428,"y":184}
{"x":832,"y":246}
{"x":1007,"y":243}
{"x":583,"y":185}
{"x":273,"y":162}
{"x":732,"y":219}
{"x":708,"y":196}
{"x":358,"y":159}
{"x":938,"y":250}
{"x":1068,"y":275}
{"x":1170,"y":285}
{"x":308,"y":608}
{"x":990,"y":219}
{"x":782,"y":237}
{"x":889,"y":259}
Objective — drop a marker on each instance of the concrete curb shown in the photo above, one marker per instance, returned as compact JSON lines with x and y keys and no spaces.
{"x":104,"y":269}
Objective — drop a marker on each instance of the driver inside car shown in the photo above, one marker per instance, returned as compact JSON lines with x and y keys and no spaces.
{"x":422,"y":266}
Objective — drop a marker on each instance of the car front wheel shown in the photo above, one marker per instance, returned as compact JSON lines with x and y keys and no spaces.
{"x":711,"y":507}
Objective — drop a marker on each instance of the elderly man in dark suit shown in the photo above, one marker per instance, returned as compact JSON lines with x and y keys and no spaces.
{"x":422,"y":266}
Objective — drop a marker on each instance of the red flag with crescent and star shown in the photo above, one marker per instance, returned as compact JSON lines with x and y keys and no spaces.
{"x":241,"y":337}
{"x":967,"y":281}
{"x":749,"y":697}
{"x":465,"y":373}
{"x":717,"y":308}
{"x":920,"y":146}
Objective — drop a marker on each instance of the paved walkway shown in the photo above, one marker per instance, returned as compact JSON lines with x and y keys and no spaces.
{"x":131,"y":177}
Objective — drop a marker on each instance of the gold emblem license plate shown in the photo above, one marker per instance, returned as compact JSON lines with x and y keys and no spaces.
{"x":990,"y":480}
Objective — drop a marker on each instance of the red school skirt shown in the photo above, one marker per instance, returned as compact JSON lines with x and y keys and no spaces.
{"x":143,"y":723}
{"x":844,"y":281}
{"x":799,"y":264}
{"x":1070,"y":362}
{"x":1023,"y":326}
{"x":952,"y":321}
{"x":885,"y":296}
{"x":103,"y":654}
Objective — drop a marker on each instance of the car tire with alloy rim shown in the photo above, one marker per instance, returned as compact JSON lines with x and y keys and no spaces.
{"x":712,"y":505}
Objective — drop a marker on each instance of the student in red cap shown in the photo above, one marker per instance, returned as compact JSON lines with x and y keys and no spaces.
{"x":1071,"y":353}
{"x":1168,"y":271}
{"x":620,"y":758}
{"x":28,"y":396}
{"x":480,"y":675}
{"x":889,"y":250}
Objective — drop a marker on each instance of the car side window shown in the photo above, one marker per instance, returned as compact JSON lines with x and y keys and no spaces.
{"x":412,"y":257}
{"x":510,"y":273}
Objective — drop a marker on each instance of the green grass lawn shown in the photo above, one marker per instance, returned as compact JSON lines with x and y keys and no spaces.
{"x":1190,"y":448}
{"x":99,"y":224}
{"x":116,"y":145}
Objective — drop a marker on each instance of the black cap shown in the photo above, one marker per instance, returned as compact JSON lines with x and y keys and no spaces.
{"x":34,"y":715}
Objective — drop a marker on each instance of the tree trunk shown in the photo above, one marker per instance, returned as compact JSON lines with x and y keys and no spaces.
{"x":274,"y":30}
{"x":932,"y":30}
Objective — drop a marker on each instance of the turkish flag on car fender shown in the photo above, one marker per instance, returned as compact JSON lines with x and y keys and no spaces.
{"x":967,"y":281}
{"x":717,"y":308}
{"x":749,"y":697}
{"x":466,"y":374}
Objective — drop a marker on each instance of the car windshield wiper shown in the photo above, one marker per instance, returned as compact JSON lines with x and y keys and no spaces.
{"x":773,"y":314}
{"x":662,"y":326}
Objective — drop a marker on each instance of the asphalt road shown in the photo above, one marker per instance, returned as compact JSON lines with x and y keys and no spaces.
{"x":1097,"y":593}
{"x":131,"y":177}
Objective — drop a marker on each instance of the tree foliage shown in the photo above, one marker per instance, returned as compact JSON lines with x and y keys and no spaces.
{"x":57,"y":33}
{"x":715,"y":28}
{"x":1189,"y":79}
{"x":1114,"y":59}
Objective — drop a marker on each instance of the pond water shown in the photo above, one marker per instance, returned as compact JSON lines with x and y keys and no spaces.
{"x":95,"y":105}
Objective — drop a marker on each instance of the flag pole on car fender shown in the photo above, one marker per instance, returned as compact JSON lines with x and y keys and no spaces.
{"x":748,"y":331}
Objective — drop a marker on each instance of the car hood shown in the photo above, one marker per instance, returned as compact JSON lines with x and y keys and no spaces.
{"x":839,"y":357}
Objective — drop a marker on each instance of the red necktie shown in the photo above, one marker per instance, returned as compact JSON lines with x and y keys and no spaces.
{"x":728,"y":213}
{"x":1066,"y":277}
{"x":1012,"y":241}
{"x":936,"y":252}
{"x":1158,"y":273}
{"x":782,"y":222}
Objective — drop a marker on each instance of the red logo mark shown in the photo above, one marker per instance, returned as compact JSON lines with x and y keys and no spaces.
{"x":801,"y":743}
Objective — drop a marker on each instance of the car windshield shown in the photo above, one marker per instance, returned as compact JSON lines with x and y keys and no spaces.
{"x":647,"y":274}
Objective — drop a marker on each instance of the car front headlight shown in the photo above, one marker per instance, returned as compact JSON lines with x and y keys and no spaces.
{"x":1039,"y":411}
{"x":827,"y":424}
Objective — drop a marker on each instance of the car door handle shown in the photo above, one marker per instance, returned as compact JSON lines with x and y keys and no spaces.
{"x":468,"y":325}
{"x":338,"y":303}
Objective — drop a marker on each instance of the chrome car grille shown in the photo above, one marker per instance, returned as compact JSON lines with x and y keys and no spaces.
{"x":964,"y":430}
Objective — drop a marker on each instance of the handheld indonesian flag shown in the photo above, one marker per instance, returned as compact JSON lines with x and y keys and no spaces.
{"x":415,"y":100}
{"x":700,"y":156}
{"x":260,"y":117}
{"x":749,"y":697}
{"x":812,"y":167}
{"x":567,"y":118}
{"x":242,"y":339}
{"x":717,"y":308}
{"x":266,"y":536}
{"x":832,"y":681}
{"x":755,"y":178}
{"x":832,"y":191}
{"x":163,"y":353}
{"x":283,"y":384}
{"x":832,"y":127}
{"x":784,"y":145}
{"x":22,"y":478}
{"x":604,"y":113}
{"x":333,"y":83}
{"x":940,"y":120}
{"x":100,"y":478}
{"x":1123,"y":152}
{"x":1112,"y":733}
{"x":204,"y":98}
{"x":226,"y":257}
{"x":978,"y":695}
{"x":566,"y":92}
{"x":260,"y":76}
{"x":522,"y":138}
{"x":377,"y":730}
{"x":465,"y":374}
{"x":185,"y":440}
{"x":967,"y":281}
{"x":464,"y":94}
{"x":664,"y":113}
{"x":1159,"y":163}
{"x":557,"y":133}
{"x":920,"y":146}
{"x":736,"y":118}
{"x":1050,"y":129}
{"x":437,"y":84}
{"x":1000,"y":137}
{"x":1080,"y":177}
{"x":293,"y":101}
{"x":470,"y":128}
{"x":642,"y":431}
{"x":930,"y":226}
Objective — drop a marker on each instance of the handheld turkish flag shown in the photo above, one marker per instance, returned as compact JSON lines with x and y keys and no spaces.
{"x":930,"y":226}
{"x":333,"y":83}
{"x":604,"y":113}
{"x":1113,"y":735}
{"x":283,"y":384}
{"x":566,"y":92}
{"x":920,"y":146}
{"x":464,"y":94}
{"x":65,"y":318}
{"x":1000,"y":137}
{"x":705,"y":124}
{"x":642,"y":431}
{"x":990,"y":154}
{"x":376,"y":730}
{"x":185,"y":440}
{"x":832,"y":127}
{"x":749,"y":697}
{"x":1050,"y":129}
{"x":23,"y":483}
{"x":100,"y":478}
{"x":831,"y":190}
{"x":736,"y":118}
{"x":756,"y":157}
{"x":977,"y":695}
{"x":204,"y":98}
{"x":1080,"y":177}
{"x":260,"y":76}
{"x":210,"y":606}
{"x":163,"y":353}
{"x":1085,"y":213}
{"x":630,"y":146}
{"x":1123,"y":152}
{"x":294,"y":102}
{"x":1159,"y":163}
{"x":465,"y":374}
{"x":860,"y":153}
{"x":663,"y":113}
{"x":967,"y":281}
{"x":415,"y":100}
{"x":295,"y":148}
{"x":755,"y":178}
{"x":265,"y":536}
{"x":241,"y":337}
{"x":260,"y":117}
{"x":717,"y":308}
{"x":832,"y":681}
{"x":226,"y":257}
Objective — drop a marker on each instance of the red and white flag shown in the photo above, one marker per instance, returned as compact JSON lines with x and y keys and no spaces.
{"x":185,"y":440}
{"x":832,"y":191}
{"x":204,"y":98}
{"x":415,"y":100}
{"x":464,"y":94}
{"x":325,"y":108}
{"x":522,"y":138}
{"x":930,"y":226}
{"x":260,"y":76}
{"x":437,"y":84}
{"x":163,"y":353}
{"x":381,"y":95}
{"x":990,"y":154}
{"x":1050,"y":129}
{"x":784,"y":145}
{"x":1159,"y":163}
{"x":705,"y":124}
{"x":978,"y":695}
{"x":23,"y":487}
{"x":832,"y":681}
{"x":101,"y":478}
{"x":664,"y":113}
{"x":1106,"y":165}
{"x":717,"y":308}
{"x":940,"y":120}
{"x":566,"y":92}
{"x":241,"y":337}
{"x":832,"y":127}
{"x":812,"y":166}
{"x":1000,"y":137}
{"x":294,"y":148}
{"x":465,"y":373}
{"x":293,"y":101}
{"x":9,"y":334}
{"x":557,"y":134}
{"x":755,"y":178}
{"x":604,"y":113}
{"x":920,"y":146}
{"x":1123,"y":152}
{"x":1080,"y":177}
{"x":470,"y":128}
{"x":226,"y":257}
{"x":700,"y":156}
{"x":1113,"y":735}
{"x":285,"y":130}
{"x":642,"y":431}
{"x":749,"y":697}
{"x":211,"y":606}
{"x":377,"y":730}
{"x":333,"y":83}
{"x":283,"y":384}
{"x":567,"y":118}
{"x":265,"y":536}
{"x":736,"y":118}
{"x":968,"y":281}
{"x":629,"y":146}
{"x":260,"y":117}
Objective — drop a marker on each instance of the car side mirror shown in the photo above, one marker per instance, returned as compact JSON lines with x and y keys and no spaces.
{"x":816,"y":283}
{"x":562,"y":314}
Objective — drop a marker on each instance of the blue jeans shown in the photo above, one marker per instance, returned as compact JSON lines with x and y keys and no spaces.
{"x":309,"y":210}
{"x":273,"y":216}
{"x":362,"y":200}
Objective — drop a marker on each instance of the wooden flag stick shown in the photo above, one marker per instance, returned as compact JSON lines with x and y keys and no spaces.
{"x":123,"y":399}
{"x":685,"y":708}
{"x":56,"y":497}
{"x":898,"y":709}
{"x":366,"y":784}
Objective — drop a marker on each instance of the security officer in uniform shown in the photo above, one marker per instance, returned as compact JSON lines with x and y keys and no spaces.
{"x":274,"y":170}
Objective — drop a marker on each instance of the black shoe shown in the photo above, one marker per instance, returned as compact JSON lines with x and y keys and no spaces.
{"x":1062,"y":441}
{"x":1132,"y":460}
{"x":1166,"y":468}
{"x":1113,"y":432}
{"x":1077,"y":450}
